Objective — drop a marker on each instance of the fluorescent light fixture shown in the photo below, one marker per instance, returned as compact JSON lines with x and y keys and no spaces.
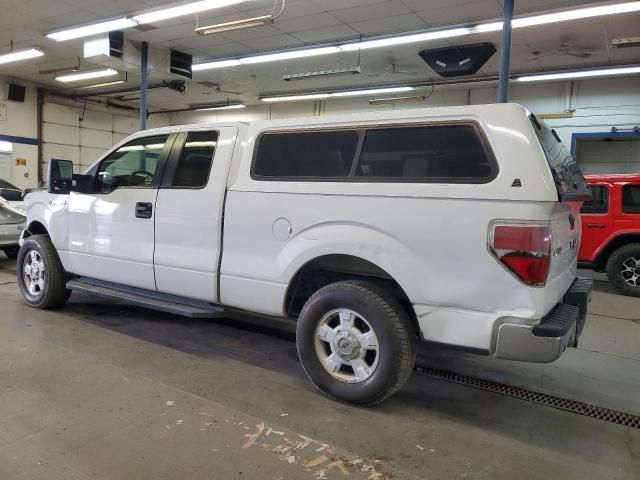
{"x":288,"y":55}
{"x":182,"y":10}
{"x":345,"y":93}
{"x":296,"y":98}
{"x":404,"y":39}
{"x":211,"y":65}
{"x":576,"y":14}
{"x":6,"y":147}
{"x":385,"y":101}
{"x":103,"y":84}
{"x":18,"y":55}
{"x":600,"y":72}
{"x":372,"y":91}
{"x":78,"y":77}
{"x":335,"y":72}
{"x":237,"y":25}
{"x":93,"y":29}
{"x":234,"y":106}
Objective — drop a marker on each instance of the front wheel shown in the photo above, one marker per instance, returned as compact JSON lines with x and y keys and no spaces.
{"x":623,"y":269}
{"x":355,"y":342}
{"x":41,"y":277}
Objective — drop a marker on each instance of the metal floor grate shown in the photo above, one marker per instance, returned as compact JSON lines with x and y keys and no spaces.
{"x":574,"y":406}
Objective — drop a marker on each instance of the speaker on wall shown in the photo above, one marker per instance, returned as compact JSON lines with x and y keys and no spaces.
{"x":16,"y":93}
{"x":460,"y":60}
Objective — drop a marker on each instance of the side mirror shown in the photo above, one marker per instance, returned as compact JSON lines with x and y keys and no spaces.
{"x":61,"y":179}
{"x":60,"y":176}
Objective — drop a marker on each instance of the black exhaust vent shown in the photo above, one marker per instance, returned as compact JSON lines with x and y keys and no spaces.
{"x":458,"y":61}
{"x":180,"y":64}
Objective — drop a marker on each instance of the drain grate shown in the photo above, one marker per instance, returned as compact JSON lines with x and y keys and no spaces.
{"x":581,"y":408}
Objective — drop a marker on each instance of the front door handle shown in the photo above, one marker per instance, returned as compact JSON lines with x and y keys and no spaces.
{"x":144,"y":209}
{"x":595,"y":225}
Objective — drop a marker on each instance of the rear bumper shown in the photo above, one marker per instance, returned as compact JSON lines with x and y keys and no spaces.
{"x":546,"y":341}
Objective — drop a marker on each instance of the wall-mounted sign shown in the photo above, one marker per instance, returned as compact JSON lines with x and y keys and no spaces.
{"x":21,"y":162}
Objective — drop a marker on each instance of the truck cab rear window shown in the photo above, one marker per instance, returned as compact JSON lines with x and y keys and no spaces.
{"x":454,"y":153}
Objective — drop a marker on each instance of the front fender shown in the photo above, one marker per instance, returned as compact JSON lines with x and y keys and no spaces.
{"x":51,"y":212}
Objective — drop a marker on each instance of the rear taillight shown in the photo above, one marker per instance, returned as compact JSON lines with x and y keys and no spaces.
{"x":524,"y":249}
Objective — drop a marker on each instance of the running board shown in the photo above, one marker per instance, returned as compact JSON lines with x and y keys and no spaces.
{"x":146,"y":298}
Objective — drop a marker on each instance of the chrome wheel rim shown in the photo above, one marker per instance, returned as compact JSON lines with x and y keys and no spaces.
{"x":347,"y":346}
{"x":630,"y":271}
{"x":34,"y":273}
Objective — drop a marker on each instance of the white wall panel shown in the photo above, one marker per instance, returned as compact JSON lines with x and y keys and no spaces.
{"x":97,"y":120}
{"x":89,"y":155}
{"x":60,"y":134}
{"x":62,"y":114}
{"x":96,"y":138}
{"x":126,"y":125}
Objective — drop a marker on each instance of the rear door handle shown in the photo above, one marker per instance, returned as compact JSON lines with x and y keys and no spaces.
{"x":144,"y":209}
{"x":595,"y":225}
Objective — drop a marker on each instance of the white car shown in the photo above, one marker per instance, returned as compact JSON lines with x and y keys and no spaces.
{"x":12,"y":224}
{"x":455,"y":225}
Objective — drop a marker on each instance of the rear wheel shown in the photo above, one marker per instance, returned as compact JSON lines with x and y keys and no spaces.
{"x":11,"y":252}
{"x":623,"y":269}
{"x":355,"y":342}
{"x":41,"y":277}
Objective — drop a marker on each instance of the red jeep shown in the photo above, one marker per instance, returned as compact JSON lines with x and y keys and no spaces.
{"x":611,"y":230}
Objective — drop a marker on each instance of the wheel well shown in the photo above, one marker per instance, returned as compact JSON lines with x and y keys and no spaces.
{"x":328,"y":269}
{"x":612,"y":246}
{"x":36,"y":228}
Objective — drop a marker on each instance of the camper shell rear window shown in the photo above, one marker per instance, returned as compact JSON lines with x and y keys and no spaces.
{"x":565,"y":170}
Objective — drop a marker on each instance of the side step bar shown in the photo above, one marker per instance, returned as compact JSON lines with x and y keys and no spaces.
{"x":146,"y":298}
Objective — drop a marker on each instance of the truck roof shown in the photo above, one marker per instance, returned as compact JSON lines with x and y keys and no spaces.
{"x":613,"y":178}
{"x":372,"y":115}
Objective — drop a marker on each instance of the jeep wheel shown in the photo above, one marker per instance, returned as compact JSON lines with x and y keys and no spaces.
{"x":11,"y":252}
{"x":41,"y":278}
{"x":623,"y":269}
{"x":355,"y":342}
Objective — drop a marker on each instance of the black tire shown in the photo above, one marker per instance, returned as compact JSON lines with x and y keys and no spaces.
{"x":54,"y":293}
{"x":11,"y":252}
{"x":615,"y":267}
{"x":392,"y":326}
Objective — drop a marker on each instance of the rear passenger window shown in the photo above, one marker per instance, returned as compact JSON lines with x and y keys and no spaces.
{"x":195,"y":161}
{"x":426,"y":154}
{"x":315,"y":155}
{"x":599,"y":202}
{"x":631,"y":199}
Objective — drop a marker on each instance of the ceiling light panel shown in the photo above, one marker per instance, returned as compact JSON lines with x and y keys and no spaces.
{"x":601,"y":72}
{"x":18,"y":55}
{"x":89,"y":30}
{"x":273,"y":57}
{"x":575,"y":14}
{"x":235,"y":106}
{"x":372,"y":91}
{"x":345,"y":93}
{"x":80,"y":76}
{"x":182,"y":10}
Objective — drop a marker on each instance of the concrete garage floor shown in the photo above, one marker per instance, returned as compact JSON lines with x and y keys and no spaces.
{"x":106,"y":391}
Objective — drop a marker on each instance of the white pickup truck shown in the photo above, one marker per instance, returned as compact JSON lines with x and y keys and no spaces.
{"x":374,"y":231}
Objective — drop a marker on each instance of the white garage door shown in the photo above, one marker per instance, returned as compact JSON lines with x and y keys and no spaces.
{"x":66,"y":136}
{"x":609,"y":156}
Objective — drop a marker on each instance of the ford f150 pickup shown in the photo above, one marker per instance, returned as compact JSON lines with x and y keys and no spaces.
{"x":375,"y":231}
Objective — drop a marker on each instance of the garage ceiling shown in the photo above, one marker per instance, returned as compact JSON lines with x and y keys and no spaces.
{"x":568,"y":45}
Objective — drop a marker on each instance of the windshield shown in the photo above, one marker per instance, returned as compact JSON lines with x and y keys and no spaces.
{"x":566,"y":172}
